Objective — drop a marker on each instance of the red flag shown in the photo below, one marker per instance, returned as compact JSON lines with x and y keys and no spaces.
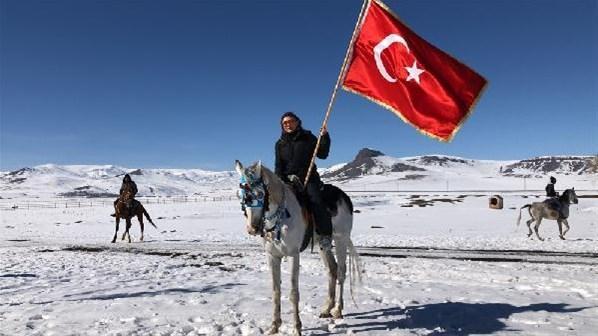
{"x":399,"y":70}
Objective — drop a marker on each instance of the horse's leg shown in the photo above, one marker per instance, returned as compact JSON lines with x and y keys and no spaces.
{"x":140,"y":219}
{"x":116,"y":231}
{"x":330,"y":264}
{"x":566,"y":223}
{"x":341,"y":260}
{"x":128,"y":227}
{"x":560,"y":223}
{"x":274,"y":263}
{"x":295,"y":292}
{"x":529,"y":227}
{"x":537,"y":226}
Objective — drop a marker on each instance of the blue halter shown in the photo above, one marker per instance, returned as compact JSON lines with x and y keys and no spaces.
{"x":252,"y":194}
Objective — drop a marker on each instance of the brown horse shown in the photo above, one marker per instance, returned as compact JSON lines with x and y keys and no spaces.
{"x":126,"y":208}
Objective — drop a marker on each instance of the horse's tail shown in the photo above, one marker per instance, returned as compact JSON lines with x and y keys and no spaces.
{"x":354,"y":268}
{"x":148,"y":216}
{"x":519,"y":218}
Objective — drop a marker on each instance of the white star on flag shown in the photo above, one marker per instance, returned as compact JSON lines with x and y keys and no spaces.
{"x":414,"y":72}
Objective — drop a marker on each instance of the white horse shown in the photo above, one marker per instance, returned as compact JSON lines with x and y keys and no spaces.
{"x":552,"y":208}
{"x":272,"y":211}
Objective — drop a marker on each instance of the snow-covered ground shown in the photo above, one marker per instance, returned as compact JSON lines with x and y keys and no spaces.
{"x":200,"y":273}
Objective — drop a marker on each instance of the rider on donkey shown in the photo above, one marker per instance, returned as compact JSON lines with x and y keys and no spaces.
{"x":294,"y":150}
{"x":127,"y":186}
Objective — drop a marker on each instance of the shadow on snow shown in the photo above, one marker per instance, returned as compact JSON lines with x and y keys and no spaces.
{"x":450,"y":318}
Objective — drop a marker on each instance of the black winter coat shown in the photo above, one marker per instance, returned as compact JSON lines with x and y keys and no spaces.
{"x":129,"y":186}
{"x":294,"y":151}
{"x":550,"y":190}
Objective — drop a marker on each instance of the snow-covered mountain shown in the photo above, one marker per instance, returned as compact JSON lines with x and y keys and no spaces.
{"x":105,"y":181}
{"x":370,"y":170}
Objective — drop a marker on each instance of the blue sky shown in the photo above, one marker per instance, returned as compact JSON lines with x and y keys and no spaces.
{"x":198,"y":84}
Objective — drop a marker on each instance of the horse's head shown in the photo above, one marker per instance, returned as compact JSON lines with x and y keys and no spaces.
{"x":126,"y":195}
{"x":252,"y":193}
{"x":570,"y":196}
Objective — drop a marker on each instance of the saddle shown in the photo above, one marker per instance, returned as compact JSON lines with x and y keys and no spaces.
{"x":329,"y":197}
{"x":554,"y":205}
{"x":301,"y":196}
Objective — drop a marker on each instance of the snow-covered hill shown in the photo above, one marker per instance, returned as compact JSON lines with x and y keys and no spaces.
{"x":102,"y":181}
{"x":370,"y":170}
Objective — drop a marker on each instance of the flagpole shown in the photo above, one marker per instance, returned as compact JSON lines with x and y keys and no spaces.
{"x":339,"y":79}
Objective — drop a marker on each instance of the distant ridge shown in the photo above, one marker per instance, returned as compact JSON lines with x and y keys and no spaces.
{"x":370,"y":169}
{"x":364,"y":163}
{"x":373,"y":162}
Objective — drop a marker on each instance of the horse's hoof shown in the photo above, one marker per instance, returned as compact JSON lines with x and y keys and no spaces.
{"x":325,"y":315}
{"x":114,"y":241}
{"x":337,"y":314}
{"x":272,"y":331}
{"x":563,"y":238}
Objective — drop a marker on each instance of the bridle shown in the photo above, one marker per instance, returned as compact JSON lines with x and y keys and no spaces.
{"x":254,"y":194}
{"x":569,"y":196}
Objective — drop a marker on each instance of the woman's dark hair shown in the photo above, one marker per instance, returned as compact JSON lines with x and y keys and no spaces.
{"x":552,"y":179}
{"x":292,"y":115}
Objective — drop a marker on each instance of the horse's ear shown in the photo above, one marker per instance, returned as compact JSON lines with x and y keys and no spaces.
{"x":239,"y":167}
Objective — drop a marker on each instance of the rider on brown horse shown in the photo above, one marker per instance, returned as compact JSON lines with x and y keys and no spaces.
{"x":128,"y":189}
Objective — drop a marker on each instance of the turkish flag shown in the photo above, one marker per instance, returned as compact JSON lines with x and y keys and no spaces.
{"x":399,"y":70}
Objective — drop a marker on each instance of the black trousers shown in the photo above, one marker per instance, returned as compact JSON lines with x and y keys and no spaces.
{"x":318,"y":207}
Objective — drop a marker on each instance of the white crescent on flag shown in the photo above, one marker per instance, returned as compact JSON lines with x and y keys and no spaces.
{"x":380,"y":47}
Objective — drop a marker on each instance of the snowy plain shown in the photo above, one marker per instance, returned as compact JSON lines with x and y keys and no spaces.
{"x":199,"y":273}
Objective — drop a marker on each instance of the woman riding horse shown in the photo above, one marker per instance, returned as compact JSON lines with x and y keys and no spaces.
{"x":128,"y":189}
{"x":273,"y":212}
{"x":294,"y":150}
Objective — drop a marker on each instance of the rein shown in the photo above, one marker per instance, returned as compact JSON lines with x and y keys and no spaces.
{"x":252,"y":198}
{"x":272,"y":222}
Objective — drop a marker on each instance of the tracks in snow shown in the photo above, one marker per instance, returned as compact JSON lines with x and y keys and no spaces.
{"x":189,"y":249}
{"x":530,"y":256}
